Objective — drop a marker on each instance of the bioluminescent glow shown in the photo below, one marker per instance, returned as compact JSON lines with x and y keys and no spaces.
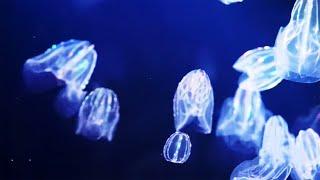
{"x":98,"y":114}
{"x":242,"y":119}
{"x":177,"y":148}
{"x":305,"y":155}
{"x":71,"y":61}
{"x":194,"y":100}
{"x":273,"y":161}
{"x":227,"y":2}
{"x":259,"y":68}
{"x":298,"y":44}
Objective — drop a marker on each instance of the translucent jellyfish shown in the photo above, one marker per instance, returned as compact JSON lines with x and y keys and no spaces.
{"x":227,"y":2}
{"x":259,"y":68}
{"x":177,"y":148}
{"x":194,"y":100}
{"x":273,"y":161}
{"x":71,"y":62}
{"x":298,"y":44}
{"x":242,"y":119}
{"x":305,"y":155}
{"x":98,"y":114}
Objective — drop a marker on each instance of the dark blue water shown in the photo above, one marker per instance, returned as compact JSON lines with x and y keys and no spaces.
{"x":144,"y":48}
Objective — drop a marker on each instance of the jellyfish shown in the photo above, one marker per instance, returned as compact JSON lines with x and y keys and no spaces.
{"x":297,"y":48}
{"x":273,"y":161}
{"x":242,"y":120}
{"x":305,"y":155}
{"x":98,"y":115}
{"x":71,"y":63}
{"x":193,"y":102}
{"x":177,"y":148}
{"x":192,"y":105}
{"x":228,"y":2}
{"x":259,"y":69}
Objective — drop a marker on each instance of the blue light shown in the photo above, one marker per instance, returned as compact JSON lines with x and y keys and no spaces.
{"x":177,"y":148}
{"x":298,"y":44}
{"x":194,"y":102}
{"x":98,"y":115}
{"x":242,"y":119}
{"x":227,"y":2}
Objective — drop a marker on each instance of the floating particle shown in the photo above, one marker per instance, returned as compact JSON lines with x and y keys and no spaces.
{"x":98,"y":115}
{"x":193,"y":102}
{"x":298,"y":44}
{"x":273,"y":161}
{"x":227,"y":2}
{"x":259,"y":68}
{"x":177,"y":148}
{"x":305,"y":155}
{"x":71,"y":61}
{"x":242,"y":120}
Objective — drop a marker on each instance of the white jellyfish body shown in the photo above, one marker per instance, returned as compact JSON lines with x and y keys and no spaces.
{"x":98,"y":115}
{"x":228,"y":2}
{"x":177,"y":148}
{"x":194,"y":101}
{"x":259,"y":69}
{"x":242,"y":120}
{"x":273,"y":161}
{"x":305,"y":155}
{"x":297,"y":47}
{"x":71,"y":61}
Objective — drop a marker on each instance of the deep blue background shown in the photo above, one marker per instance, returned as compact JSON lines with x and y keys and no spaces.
{"x":144,"y":48}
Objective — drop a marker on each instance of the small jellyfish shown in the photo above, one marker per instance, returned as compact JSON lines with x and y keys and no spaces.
{"x":259,"y":68}
{"x":98,"y":114}
{"x":71,"y":62}
{"x":273,"y":161}
{"x":298,"y":44}
{"x":305,"y":155}
{"x":227,"y":2}
{"x":177,"y":148}
{"x":194,"y":100}
{"x":242,"y":119}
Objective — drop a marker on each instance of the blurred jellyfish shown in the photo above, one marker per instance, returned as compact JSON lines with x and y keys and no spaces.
{"x":177,"y":148}
{"x":192,"y":104}
{"x":242,"y":120}
{"x":298,"y":44}
{"x":305,"y":155}
{"x":259,"y":68}
{"x":98,"y":115}
{"x":227,"y":2}
{"x":71,"y":62}
{"x":273,"y":161}
{"x":193,"y":101}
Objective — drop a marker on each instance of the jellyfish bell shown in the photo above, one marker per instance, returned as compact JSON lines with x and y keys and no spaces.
{"x":177,"y":148}
{"x":297,"y":48}
{"x":98,"y":115}
{"x":193,"y":102}
{"x":70,"y":62}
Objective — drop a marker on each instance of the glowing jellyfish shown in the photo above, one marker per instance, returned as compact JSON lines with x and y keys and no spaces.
{"x":273,"y":161}
{"x":259,"y":68}
{"x":305,"y":155}
{"x":193,"y":102}
{"x":298,"y":44}
{"x":242,"y":119}
{"x":71,"y":61}
{"x":227,"y":2}
{"x":177,"y":148}
{"x":98,"y":114}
